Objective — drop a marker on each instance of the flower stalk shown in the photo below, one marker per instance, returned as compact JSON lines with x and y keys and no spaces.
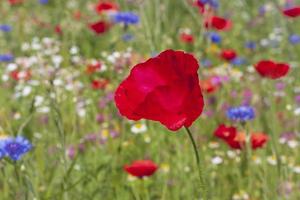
{"x":200,"y":169}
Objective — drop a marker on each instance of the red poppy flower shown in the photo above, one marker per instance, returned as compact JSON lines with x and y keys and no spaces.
{"x":99,"y":27}
{"x":15,"y":2}
{"x":187,"y":38}
{"x":218,"y":23}
{"x":200,"y":6}
{"x":208,"y":86}
{"x":237,"y":142}
{"x":58,"y":29}
{"x":164,"y":88}
{"x":228,"y":54}
{"x":225,"y":132}
{"x":270,"y":69}
{"x":292,"y":12}
{"x":20,"y":75}
{"x":258,"y":140}
{"x":92,"y":68}
{"x":141,"y":168}
{"x":99,"y":84}
{"x":105,"y":6}
{"x":77,"y":15}
{"x":15,"y":75}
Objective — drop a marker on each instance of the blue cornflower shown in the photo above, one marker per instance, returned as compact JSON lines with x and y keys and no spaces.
{"x":5,"y":28}
{"x":15,"y":148}
{"x":204,"y":1}
{"x":43,"y":1}
{"x":238,"y":61}
{"x":241,"y":113}
{"x":250,"y":45}
{"x":215,"y":37}
{"x":127,"y":37}
{"x":294,"y":39}
{"x":2,"y":154}
{"x":212,"y":3}
{"x":126,"y":18}
{"x":6,"y":57}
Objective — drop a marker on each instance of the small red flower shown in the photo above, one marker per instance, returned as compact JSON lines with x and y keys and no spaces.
{"x":258,"y":140}
{"x":15,"y":2}
{"x":187,"y":38}
{"x":270,"y":69}
{"x":99,"y":84}
{"x":200,"y":6}
{"x":208,"y":86}
{"x":292,"y":12}
{"x":218,"y":23}
{"x":164,"y":88}
{"x":141,"y":168}
{"x":225,"y":132}
{"x":237,"y":142}
{"x":228,"y":54}
{"x":92,"y":68}
{"x":104,"y":6}
{"x":58,"y":29}
{"x":99,"y":27}
{"x":77,"y":15}
{"x":20,"y":75}
{"x":14,"y":75}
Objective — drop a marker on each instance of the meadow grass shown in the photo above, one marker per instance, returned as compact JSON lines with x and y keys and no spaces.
{"x":74,"y":156}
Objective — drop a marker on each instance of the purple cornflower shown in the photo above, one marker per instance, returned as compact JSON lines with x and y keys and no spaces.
{"x":6,"y":57}
{"x":71,"y":152}
{"x":280,"y":86}
{"x":5,"y":28}
{"x":294,"y":39}
{"x":247,"y":96}
{"x":250,"y":45}
{"x":238,"y":61}
{"x":43,"y":2}
{"x":297,"y":99}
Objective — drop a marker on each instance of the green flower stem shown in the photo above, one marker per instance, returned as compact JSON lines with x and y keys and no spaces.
{"x":248,"y":154}
{"x":200,"y":169}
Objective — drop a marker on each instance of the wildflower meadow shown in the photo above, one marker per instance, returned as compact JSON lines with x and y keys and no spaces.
{"x":149,"y":100}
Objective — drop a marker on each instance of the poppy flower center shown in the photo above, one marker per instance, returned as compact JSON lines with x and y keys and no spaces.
{"x":226,"y":134}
